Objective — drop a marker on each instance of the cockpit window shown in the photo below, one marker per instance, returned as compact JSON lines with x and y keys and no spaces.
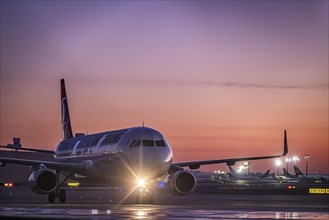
{"x":132,"y":144}
{"x":138,"y":143}
{"x":148,"y":143}
{"x":160,"y":143}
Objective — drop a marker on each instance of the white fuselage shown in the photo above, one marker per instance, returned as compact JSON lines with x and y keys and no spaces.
{"x":121,"y":155}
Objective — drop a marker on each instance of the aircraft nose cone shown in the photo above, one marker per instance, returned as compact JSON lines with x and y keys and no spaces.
{"x":149,"y":165}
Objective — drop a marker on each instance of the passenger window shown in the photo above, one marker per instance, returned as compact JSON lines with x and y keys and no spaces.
{"x":138,"y":143}
{"x":160,"y":143}
{"x":148,"y":143}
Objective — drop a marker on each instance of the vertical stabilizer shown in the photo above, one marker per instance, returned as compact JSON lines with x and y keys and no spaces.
{"x":298,"y":172}
{"x":66,"y":123}
{"x":232,"y":171}
{"x":267,"y":174}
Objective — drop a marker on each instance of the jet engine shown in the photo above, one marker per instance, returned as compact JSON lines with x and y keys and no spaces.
{"x":181,"y":182}
{"x":43,"y":181}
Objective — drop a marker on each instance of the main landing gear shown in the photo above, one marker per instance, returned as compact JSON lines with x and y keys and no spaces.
{"x":58,"y":192}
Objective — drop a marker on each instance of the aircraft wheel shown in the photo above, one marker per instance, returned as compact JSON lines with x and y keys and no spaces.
{"x":62,"y":196}
{"x":51,"y":197}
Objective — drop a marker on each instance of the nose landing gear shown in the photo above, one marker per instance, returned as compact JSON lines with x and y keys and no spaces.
{"x":144,"y":196}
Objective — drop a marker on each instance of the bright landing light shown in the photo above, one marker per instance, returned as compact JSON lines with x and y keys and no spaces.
{"x":141,"y":182}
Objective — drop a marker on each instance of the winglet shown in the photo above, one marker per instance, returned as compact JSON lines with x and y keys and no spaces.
{"x":285,"y":150}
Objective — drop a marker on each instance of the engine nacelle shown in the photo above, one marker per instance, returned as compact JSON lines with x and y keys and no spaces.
{"x":181,"y":182}
{"x":43,"y":181}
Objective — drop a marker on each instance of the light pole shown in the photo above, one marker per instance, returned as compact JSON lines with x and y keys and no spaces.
{"x":287,"y":161}
{"x":306,"y":158}
{"x":278,"y":164}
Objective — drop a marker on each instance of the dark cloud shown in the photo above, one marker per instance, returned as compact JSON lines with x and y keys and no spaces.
{"x":167,"y":82}
{"x":261,"y":86}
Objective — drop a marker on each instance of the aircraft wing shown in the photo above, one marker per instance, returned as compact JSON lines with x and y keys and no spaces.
{"x":69,"y":167}
{"x":231,"y":161}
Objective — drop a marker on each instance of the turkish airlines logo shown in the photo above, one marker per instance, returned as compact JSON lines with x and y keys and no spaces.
{"x":64,"y":116}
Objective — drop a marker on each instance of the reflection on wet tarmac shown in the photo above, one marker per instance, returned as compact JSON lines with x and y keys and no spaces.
{"x":154,"y":212}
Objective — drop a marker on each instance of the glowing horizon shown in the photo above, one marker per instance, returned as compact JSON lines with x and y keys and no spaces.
{"x":218,"y":79}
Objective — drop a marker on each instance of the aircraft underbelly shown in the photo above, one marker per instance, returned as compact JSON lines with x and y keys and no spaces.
{"x":107,"y":169}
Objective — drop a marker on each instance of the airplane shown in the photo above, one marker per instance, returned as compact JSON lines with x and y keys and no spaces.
{"x":288,"y":175}
{"x":134,"y":156}
{"x":301,"y":177}
{"x":298,"y":172}
{"x":247,"y":176}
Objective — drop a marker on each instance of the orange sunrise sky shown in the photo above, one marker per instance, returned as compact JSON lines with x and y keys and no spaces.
{"x":219,"y":79}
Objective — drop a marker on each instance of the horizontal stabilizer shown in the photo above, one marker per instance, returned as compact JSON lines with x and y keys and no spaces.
{"x":69,"y":167}
{"x":28,"y":149}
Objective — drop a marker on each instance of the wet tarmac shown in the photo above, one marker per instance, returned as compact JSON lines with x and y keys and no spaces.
{"x":113,"y":203}
{"x":151,"y":212}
